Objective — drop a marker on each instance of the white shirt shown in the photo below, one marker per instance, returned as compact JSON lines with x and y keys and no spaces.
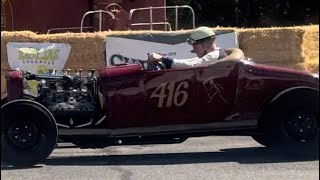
{"x":195,"y":62}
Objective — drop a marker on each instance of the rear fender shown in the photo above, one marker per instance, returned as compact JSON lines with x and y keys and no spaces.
{"x":26,"y":95}
{"x":294,"y":91}
{"x":14,"y":84}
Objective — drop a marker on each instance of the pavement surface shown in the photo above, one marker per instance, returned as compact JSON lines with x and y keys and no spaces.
{"x":206,"y":158}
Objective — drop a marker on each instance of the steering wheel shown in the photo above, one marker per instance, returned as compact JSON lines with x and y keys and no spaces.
{"x":158,"y":66}
{"x":114,"y":8}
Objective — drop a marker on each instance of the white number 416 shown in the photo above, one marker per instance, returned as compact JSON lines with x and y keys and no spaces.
{"x":176,"y":94}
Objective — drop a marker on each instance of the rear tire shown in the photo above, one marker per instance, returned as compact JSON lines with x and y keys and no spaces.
{"x":291,"y":125}
{"x":261,"y":139}
{"x":28,"y":133}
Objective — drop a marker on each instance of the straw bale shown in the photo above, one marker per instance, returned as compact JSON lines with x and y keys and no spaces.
{"x":272,"y":45}
{"x":310,"y":48}
{"x":3,"y":83}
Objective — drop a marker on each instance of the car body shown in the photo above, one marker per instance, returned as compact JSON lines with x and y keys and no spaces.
{"x":126,"y":104}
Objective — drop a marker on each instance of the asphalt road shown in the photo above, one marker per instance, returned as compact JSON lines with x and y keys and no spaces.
{"x":197,"y":158}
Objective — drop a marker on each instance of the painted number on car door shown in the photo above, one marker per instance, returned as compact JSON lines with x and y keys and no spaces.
{"x":172,"y":93}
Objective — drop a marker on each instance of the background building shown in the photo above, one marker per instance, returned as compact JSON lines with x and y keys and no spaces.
{"x":43,"y":15}
{"x":52,"y":16}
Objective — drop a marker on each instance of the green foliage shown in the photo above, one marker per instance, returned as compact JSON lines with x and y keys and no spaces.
{"x":178,"y":2}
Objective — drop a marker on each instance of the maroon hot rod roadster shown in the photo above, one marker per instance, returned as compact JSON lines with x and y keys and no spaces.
{"x":135,"y":104}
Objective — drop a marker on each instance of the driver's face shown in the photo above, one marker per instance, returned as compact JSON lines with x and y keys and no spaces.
{"x":198,"y":49}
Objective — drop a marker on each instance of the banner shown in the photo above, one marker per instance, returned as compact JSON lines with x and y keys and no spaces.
{"x":37,"y":57}
{"x":172,"y":44}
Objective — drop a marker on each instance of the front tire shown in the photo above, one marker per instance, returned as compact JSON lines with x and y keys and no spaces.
{"x":28,"y":133}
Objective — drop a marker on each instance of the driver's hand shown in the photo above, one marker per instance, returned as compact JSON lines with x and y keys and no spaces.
{"x":154,"y":57}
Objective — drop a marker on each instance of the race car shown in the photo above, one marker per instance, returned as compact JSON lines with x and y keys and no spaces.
{"x":131,"y":104}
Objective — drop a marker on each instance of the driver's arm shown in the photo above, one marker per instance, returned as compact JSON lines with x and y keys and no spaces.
{"x":176,"y":63}
{"x":233,"y":54}
{"x":152,"y":57}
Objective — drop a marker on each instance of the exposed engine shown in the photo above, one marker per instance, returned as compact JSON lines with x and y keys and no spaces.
{"x":72,"y":99}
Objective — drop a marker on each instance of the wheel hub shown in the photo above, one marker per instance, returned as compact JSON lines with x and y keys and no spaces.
{"x":22,"y":134}
{"x":302,"y":126}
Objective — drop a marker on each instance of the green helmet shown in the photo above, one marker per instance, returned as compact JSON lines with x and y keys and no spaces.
{"x":200,"y":33}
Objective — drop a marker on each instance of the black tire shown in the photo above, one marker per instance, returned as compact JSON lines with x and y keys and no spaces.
{"x":28,"y":133}
{"x":261,"y":139}
{"x":291,"y":125}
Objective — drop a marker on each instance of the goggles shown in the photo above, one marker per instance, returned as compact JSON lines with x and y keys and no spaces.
{"x":191,"y":41}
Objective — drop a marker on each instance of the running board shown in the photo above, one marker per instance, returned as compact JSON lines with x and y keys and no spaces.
{"x":163,"y":130}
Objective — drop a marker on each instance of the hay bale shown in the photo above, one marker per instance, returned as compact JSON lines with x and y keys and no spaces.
{"x":4,"y":66}
{"x":3,"y":83}
{"x":310,"y":48}
{"x":277,"y":46}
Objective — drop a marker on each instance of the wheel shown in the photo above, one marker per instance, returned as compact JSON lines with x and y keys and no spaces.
{"x":4,"y":101}
{"x":291,"y":125}
{"x":118,"y":59}
{"x":28,"y":133}
{"x":114,"y":8}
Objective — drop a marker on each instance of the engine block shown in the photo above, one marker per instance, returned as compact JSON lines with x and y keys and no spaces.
{"x":67,"y":95}
{"x":69,"y":102}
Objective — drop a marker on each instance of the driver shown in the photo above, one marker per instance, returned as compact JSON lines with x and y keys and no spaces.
{"x":202,"y":40}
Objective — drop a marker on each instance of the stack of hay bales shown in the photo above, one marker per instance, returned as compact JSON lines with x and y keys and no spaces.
{"x":295,"y":47}
{"x":310,"y":48}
